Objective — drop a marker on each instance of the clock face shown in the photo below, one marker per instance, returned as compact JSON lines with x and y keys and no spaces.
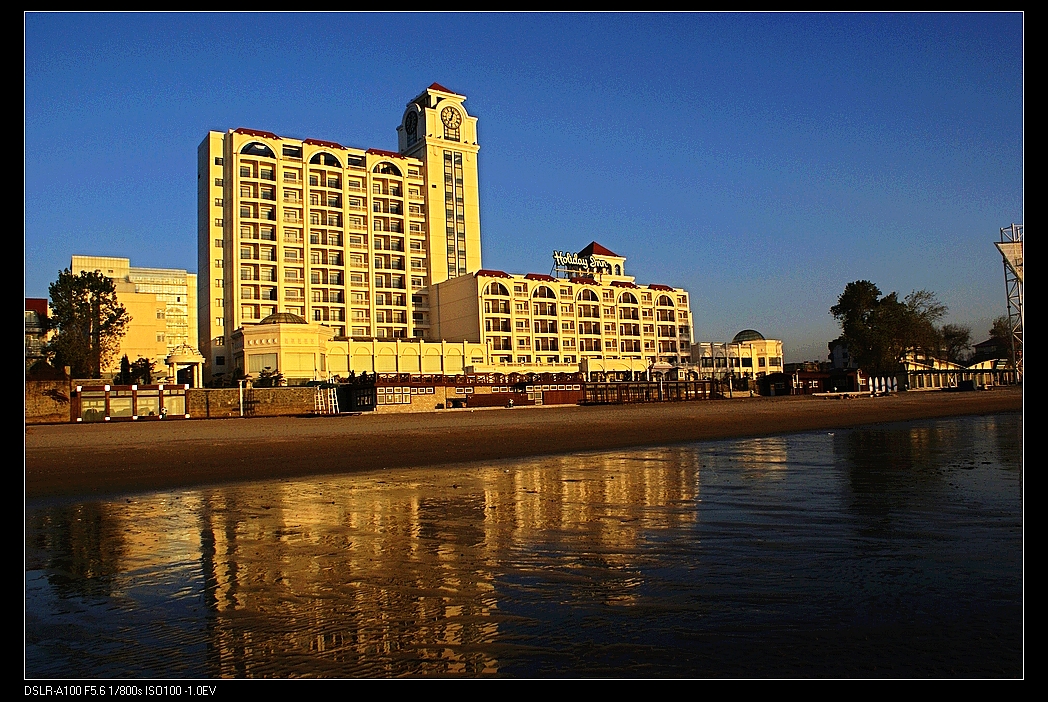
{"x":450,"y":117}
{"x":411,"y":123}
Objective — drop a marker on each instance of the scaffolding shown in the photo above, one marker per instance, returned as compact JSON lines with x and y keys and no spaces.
{"x":1011,"y":248}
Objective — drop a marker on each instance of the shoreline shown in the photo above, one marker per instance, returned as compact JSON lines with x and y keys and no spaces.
{"x":68,"y":460}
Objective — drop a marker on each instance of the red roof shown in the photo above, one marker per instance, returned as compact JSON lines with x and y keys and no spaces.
{"x":321,"y":142}
{"x":540,"y":276}
{"x":624,"y":284}
{"x":256,"y":133}
{"x":36,"y":304}
{"x":595,"y":248}
{"x":654,"y":286}
{"x":441,"y":88}
{"x":382,"y":152}
{"x":583,"y":280}
{"x":489,"y":273}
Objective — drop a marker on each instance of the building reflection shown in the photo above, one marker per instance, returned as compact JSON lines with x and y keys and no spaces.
{"x":458,"y":570}
{"x":392,"y":573}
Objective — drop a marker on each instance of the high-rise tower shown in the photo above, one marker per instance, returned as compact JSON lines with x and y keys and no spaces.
{"x":349,"y":238}
{"x":438,"y":131}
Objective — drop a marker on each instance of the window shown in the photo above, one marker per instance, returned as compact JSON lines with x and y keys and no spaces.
{"x":219,"y":182}
{"x":219,"y":202}
{"x":219,"y":302}
{"x":219,"y":161}
{"x":160,"y":336}
{"x":219,"y":222}
{"x":218,"y":263}
{"x":220,"y":322}
{"x":220,"y":360}
{"x":218,"y":243}
{"x":218,"y":282}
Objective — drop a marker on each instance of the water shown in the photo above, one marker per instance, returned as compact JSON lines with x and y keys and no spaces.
{"x":894,"y":550}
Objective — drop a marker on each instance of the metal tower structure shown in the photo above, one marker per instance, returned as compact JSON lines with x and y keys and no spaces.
{"x":1011,"y":248}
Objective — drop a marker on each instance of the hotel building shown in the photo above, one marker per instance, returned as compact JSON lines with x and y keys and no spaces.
{"x":383,"y":250}
{"x":348,"y":238}
{"x":591,"y":316}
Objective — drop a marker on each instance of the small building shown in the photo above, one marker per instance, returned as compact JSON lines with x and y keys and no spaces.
{"x":747,"y":355}
{"x":35,"y":329}
{"x":161,"y":303}
{"x":303,"y":351}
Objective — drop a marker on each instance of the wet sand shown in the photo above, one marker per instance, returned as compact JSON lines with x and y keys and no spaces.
{"x":70,"y":460}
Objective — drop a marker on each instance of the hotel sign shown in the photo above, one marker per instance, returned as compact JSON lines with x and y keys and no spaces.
{"x":574,"y":262}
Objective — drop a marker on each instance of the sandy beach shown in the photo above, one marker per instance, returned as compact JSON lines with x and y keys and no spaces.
{"x":70,"y":460}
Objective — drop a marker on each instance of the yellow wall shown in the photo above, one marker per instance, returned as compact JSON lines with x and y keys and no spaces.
{"x":160,"y":302}
{"x":467,"y":307}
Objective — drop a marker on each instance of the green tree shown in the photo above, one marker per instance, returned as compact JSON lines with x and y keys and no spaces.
{"x":124,"y":376}
{"x":269,"y":378}
{"x":955,"y":342}
{"x":87,"y":320}
{"x":880,"y":330}
{"x":142,"y":371}
{"x":1001,"y":335}
{"x":230,"y":379}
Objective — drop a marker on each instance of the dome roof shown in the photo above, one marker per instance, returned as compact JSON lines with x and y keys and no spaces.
{"x":747,"y":335}
{"x":283,"y":318}
{"x":184,"y":354}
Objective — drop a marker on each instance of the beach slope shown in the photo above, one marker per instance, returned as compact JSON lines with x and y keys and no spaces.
{"x":126,"y":457}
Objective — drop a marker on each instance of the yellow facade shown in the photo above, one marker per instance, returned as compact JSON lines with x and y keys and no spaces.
{"x":161,"y":303}
{"x":437,"y":130}
{"x":349,"y":238}
{"x":383,"y":247}
{"x":749,"y":355}
{"x":303,"y":351}
{"x":599,"y":320}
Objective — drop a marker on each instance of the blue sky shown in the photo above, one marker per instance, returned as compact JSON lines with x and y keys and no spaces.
{"x":762,"y":161}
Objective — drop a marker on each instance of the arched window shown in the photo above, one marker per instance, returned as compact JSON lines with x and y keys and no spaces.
{"x":588,"y":295}
{"x":627,"y":299}
{"x":386,"y":168}
{"x":664,"y":301}
{"x":543,"y":291}
{"x":618,"y":269}
{"x":496,"y":289}
{"x":322,"y":158}
{"x":257,"y":148}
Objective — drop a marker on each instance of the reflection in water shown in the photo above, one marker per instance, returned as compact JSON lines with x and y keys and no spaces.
{"x":811,"y":554}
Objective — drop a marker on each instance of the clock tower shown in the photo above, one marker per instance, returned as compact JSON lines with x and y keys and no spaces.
{"x":437,"y":130}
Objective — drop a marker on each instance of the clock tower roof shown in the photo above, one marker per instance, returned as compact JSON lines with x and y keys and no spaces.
{"x":441,"y":88}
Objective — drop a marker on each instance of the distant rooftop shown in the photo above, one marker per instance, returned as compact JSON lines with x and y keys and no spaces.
{"x":595,"y":248}
{"x":747,"y":335}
